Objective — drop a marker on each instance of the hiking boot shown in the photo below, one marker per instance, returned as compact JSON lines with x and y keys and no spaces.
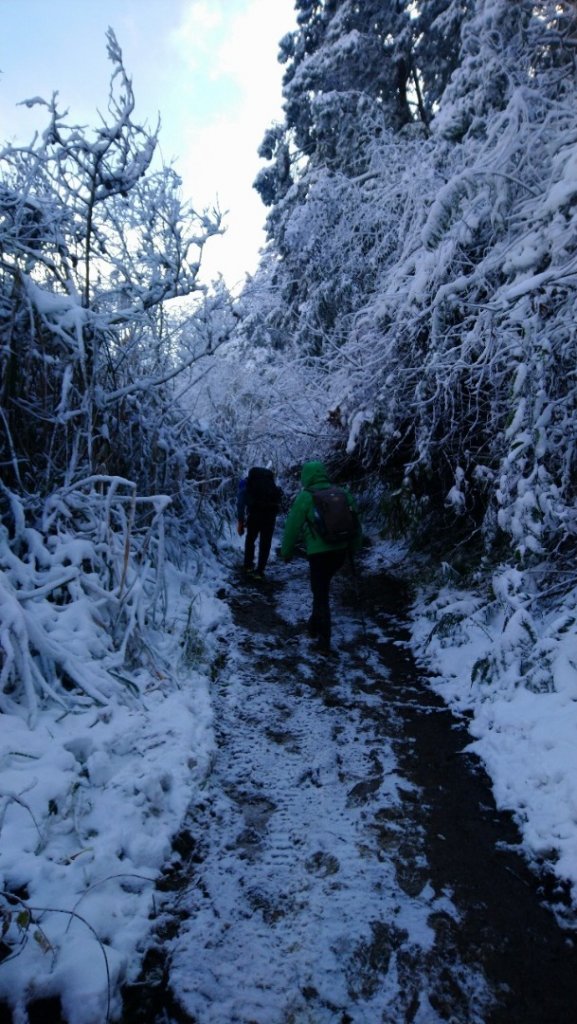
{"x":257,"y":574}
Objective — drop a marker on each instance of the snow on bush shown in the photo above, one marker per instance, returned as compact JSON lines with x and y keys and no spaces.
{"x":90,"y":801}
{"x":105,"y":651}
{"x":511,"y":664}
{"x":75,"y":594}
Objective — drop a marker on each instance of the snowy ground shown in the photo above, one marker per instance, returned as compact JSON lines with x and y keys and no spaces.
{"x":90,"y":803}
{"x":343,"y":859}
{"x":301,"y":907}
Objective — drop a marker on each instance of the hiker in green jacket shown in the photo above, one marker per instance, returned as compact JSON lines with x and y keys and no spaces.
{"x":325,"y":559}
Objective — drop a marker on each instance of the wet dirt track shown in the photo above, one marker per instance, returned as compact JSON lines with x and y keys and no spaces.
{"x":346,"y":864}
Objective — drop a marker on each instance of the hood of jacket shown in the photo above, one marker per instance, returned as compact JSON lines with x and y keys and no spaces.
{"x":314,"y":473}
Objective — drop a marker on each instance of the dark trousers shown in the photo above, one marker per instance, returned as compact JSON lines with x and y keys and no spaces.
{"x":323,"y":567}
{"x":258,"y":525}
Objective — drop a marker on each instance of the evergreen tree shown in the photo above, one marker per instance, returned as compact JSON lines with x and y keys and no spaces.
{"x":385,"y":62}
{"x":362,"y":82}
{"x":437,"y":28}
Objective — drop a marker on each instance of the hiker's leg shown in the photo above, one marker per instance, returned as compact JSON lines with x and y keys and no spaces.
{"x":320,"y":620}
{"x":336,"y":561}
{"x":265,"y":540}
{"x":323,"y":568}
{"x":333,"y":562}
{"x":250,"y":540}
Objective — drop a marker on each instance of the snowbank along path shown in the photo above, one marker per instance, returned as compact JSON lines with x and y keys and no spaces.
{"x":346,"y":864}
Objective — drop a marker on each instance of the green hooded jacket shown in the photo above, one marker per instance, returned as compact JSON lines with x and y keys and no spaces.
{"x":299,"y":521}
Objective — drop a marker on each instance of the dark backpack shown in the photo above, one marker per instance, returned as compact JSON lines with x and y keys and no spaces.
{"x":334,"y":519}
{"x":262,"y":494}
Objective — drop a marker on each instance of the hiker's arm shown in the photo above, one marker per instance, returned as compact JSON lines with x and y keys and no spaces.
{"x":241,"y":501}
{"x":241,"y":506}
{"x":294,"y":524}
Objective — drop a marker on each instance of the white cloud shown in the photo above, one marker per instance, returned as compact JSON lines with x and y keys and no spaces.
{"x":249,"y":48}
{"x":219,"y":159}
{"x":193,"y":39}
{"x":219,"y":165}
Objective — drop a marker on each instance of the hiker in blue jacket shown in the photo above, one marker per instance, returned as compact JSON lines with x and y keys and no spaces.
{"x":257,"y":507}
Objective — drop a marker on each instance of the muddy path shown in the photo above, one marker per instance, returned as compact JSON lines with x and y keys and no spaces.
{"x":346,"y":863}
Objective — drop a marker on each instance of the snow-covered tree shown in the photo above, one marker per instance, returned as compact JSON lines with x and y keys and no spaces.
{"x":344,"y":63}
{"x":428,"y":272}
{"x":98,"y":253}
{"x":95,"y":244}
{"x":361,"y":82}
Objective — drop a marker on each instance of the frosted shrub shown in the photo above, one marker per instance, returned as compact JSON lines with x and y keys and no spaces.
{"x":526,"y":648}
{"x":506,"y":638}
{"x":76,"y":593}
{"x":94,"y":242}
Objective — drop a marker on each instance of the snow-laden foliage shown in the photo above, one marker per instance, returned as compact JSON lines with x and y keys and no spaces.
{"x":524,"y":636}
{"x":75,"y":590}
{"x":504,"y":653}
{"x":89,"y":803}
{"x":110,"y":479}
{"x":99,"y":256}
{"x":399,"y":56}
{"x":262,"y":411}
{"x":433,"y":281}
{"x":94,"y":244}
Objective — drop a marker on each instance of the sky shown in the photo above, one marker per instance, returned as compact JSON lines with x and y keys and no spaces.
{"x":208,"y":67}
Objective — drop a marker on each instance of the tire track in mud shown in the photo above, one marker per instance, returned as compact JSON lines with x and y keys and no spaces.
{"x":346,"y":864}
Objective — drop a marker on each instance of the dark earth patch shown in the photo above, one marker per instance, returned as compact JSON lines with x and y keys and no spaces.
{"x":505,"y":925}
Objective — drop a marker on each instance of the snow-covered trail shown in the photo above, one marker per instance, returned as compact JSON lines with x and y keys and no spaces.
{"x":318,"y":884}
